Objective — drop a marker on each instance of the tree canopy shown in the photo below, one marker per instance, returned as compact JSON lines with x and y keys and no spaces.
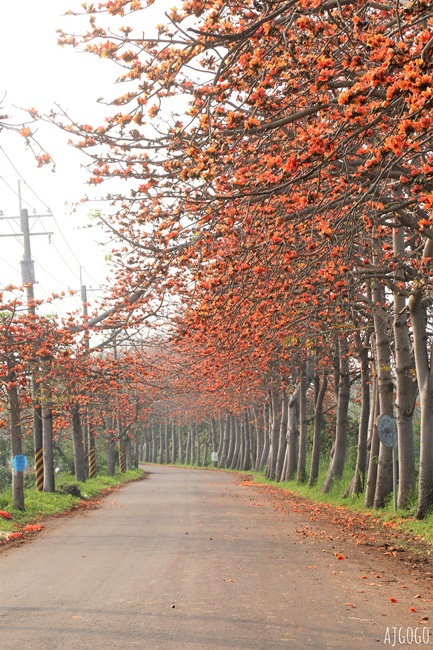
{"x":269,"y":180}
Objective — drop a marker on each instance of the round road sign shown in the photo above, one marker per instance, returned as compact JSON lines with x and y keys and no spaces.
{"x":387,"y":430}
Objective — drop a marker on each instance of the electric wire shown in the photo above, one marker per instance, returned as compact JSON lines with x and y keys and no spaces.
{"x":59,"y":307}
{"x":44,"y":203}
{"x":74,"y":296}
{"x":24,"y":180}
{"x":76,"y":258}
{"x":15,"y":233}
{"x":50,"y":274}
{"x":14,"y":268}
{"x":16,"y":193}
{"x":49,"y":210}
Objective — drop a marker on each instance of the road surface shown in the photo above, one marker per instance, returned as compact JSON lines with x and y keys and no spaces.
{"x":193,"y":559}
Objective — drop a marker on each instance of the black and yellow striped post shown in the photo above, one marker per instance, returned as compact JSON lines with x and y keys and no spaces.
{"x":92,"y":463}
{"x":122,"y":459}
{"x":39,"y":469}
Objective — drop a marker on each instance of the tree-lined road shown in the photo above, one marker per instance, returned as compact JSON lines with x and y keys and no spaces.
{"x":187,"y":559}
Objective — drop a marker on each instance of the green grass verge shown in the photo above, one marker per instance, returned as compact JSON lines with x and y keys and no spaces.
{"x":43,"y":504}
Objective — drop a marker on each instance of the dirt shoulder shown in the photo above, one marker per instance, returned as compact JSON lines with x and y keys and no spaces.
{"x":404,"y":555}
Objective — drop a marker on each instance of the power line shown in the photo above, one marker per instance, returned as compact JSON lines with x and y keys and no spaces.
{"x":58,"y":252}
{"x":51,"y":214}
{"x":60,"y":309}
{"x":14,"y":268}
{"x":16,"y":193}
{"x":75,"y":257}
{"x":23,"y":179}
{"x":48,"y":273}
{"x":16,"y":235}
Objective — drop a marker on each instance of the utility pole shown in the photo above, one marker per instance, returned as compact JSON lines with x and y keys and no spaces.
{"x":90,"y":437}
{"x":27,"y":264}
{"x":90,"y":433}
{"x":122,"y":463}
{"x":83,"y":289}
{"x":28,"y":280}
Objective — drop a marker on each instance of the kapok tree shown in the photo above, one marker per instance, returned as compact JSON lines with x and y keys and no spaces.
{"x":306,"y":114}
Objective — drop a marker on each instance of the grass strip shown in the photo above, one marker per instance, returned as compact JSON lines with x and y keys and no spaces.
{"x":44,"y":504}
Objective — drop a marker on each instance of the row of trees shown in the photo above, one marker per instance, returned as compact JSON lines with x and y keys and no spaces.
{"x":276,"y":222}
{"x":54,"y":386}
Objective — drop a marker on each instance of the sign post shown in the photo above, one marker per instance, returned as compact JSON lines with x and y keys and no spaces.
{"x":387,"y":430}
{"x":19,"y":462}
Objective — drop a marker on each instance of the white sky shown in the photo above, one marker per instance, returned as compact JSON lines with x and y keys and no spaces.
{"x":38,"y":73}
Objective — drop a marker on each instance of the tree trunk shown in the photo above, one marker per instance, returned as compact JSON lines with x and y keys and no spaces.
{"x":266,"y":436}
{"x":258,"y":427}
{"x":237,"y":445}
{"x":173,"y":443}
{"x":154,"y":444}
{"x":302,"y":455}
{"x":373,"y":439}
{"x":47,"y":441}
{"x":252,"y":436}
{"x":246,"y":460}
{"x":336,"y":467}
{"x":110,"y":447}
{"x":192,"y":447}
{"x":292,"y":452}
{"x":232,"y":441}
{"x":198,"y":445}
{"x":180,"y":444}
{"x":16,"y":438}
{"x":319,"y":396}
{"x":292,"y":436}
{"x":386,"y":391}
{"x":357,"y":484}
{"x":213,"y":440}
{"x":167,"y":444}
{"x":241,"y":429}
{"x":406,"y":387}
{"x":78,"y":445}
{"x":127,"y":451}
{"x":282,"y":443}
{"x":148,"y":446}
{"x":226,"y":440}
{"x":188,"y":445}
{"x":424,"y":369}
{"x":161,"y":443}
{"x":275,"y":402}
{"x":207,"y":442}
{"x":221,"y":436}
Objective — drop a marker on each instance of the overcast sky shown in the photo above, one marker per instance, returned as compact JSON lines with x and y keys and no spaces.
{"x":36,"y":72}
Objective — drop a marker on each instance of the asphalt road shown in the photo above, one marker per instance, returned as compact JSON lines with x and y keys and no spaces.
{"x":190,"y":559}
